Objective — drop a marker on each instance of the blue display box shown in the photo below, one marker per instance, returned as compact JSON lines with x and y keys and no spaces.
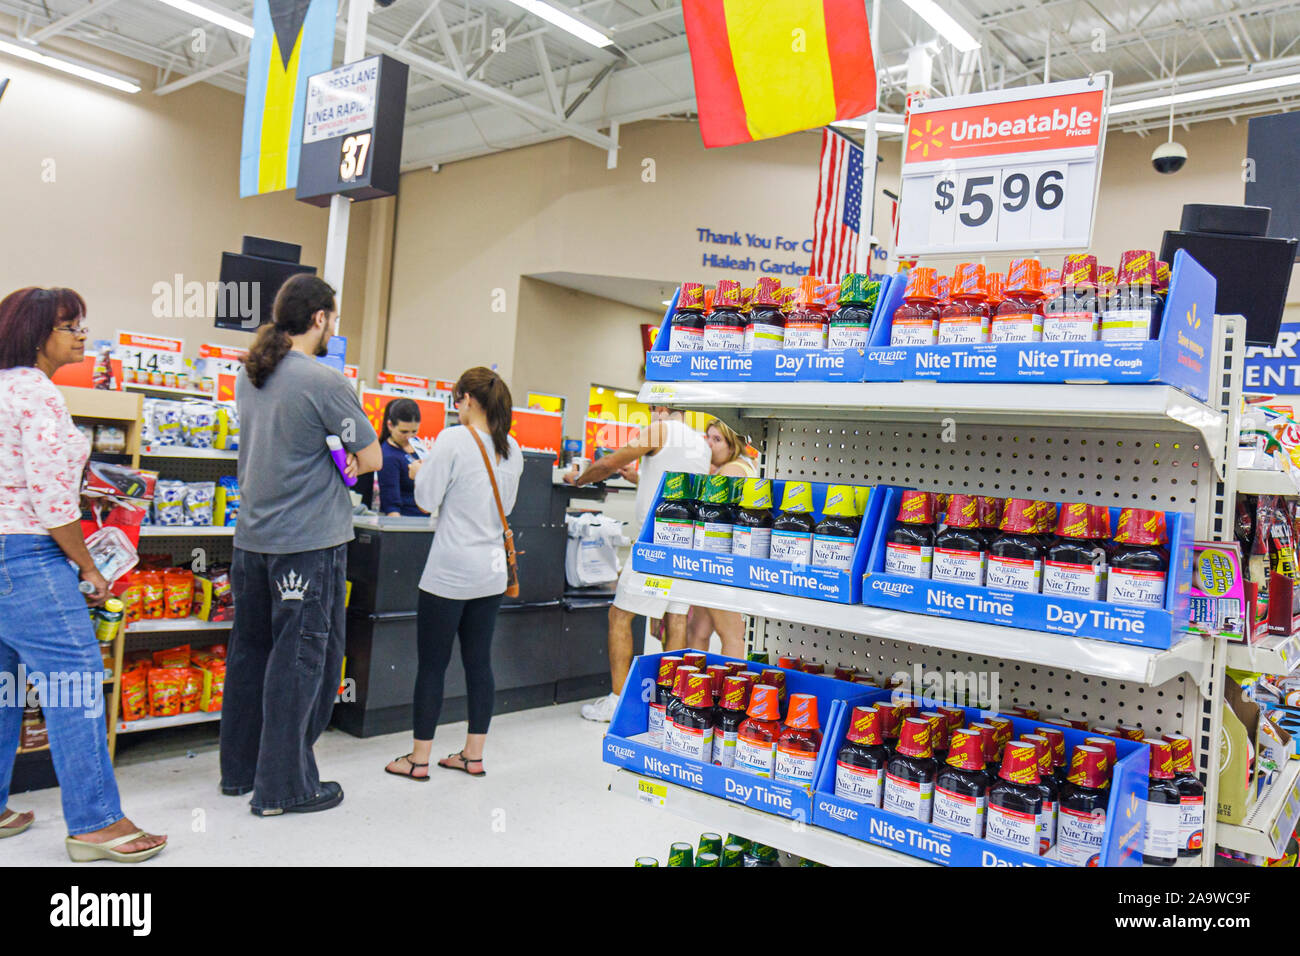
{"x":763,"y":365}
{"x":779,"y":577}
{"x":1125,"y":812}
{"x":622,"y":748}
{"x":1118,"y":623}
{"x":1181,"y":356}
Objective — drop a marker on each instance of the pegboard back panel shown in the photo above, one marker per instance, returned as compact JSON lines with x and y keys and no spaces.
{"x":1172,"y":707}
{"x":1169,"y":471}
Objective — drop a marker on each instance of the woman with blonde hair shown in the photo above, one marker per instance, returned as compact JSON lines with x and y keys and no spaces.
{"x":728,"y":458}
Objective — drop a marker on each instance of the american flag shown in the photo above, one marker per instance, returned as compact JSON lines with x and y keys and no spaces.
{"x":839,"y":203}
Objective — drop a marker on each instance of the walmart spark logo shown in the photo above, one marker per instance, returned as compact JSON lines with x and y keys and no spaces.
{"x":923,"y":140}
{"x":1192,"y":318}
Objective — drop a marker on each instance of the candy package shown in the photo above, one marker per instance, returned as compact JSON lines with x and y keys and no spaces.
{"x":135,"y":694}
{"x":178,"y":593}
{"x":169,"y":504}
{"x":153,"y":601}
{"x":132,"y":607}
{"x":225,"y":507}
{"x":227,"y":437}
{"x":165,"y":685}
{"x":199,"y":497}
{"x":191,"y":690}
{"x":213,"y":598}
{"x":214,"y":686}
{"x":167,"y":428}
{"x":198,"y":423}
{"x":172,"y":657}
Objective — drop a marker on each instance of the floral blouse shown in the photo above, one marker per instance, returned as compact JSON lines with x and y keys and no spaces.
{"x":42,"y":455}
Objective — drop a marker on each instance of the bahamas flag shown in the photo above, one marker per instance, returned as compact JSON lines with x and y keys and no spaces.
{"x":292,"y":40}
{"x":765,"y":68}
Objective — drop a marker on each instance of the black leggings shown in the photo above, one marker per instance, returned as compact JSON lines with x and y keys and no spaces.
{"x":439,"y":620}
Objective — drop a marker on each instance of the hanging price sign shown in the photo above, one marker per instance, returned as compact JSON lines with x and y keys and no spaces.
{"x":150,"y":353}
{"x":1002,"y":171}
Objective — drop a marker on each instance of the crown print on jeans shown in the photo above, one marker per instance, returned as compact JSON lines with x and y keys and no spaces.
{"x":292,"y":587}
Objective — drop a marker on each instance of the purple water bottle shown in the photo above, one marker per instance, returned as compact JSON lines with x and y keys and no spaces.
{"x":335,"y":445}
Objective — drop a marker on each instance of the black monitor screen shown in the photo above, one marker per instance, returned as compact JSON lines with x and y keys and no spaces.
{"x":248,"y":288}
{"x":1252,"y":275}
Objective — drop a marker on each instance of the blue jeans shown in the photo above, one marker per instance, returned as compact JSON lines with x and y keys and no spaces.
{"x":46,"y":637}
{"x":283,"y":666}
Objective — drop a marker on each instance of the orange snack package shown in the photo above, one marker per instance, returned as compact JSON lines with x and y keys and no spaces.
{"x":178,"y":587}
{"x":173,"y":657}
{"x":165,"y":685}
{"x":135,"y":695}
{"x":132,"y":607}
{"x":152,"y":603}
{"x":191,"y":690}
{"x":214,"y":685}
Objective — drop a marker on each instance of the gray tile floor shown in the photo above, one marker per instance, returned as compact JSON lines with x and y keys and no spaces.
{"x":543,"y":802}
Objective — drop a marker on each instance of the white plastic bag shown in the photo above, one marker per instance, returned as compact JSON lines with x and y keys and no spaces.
{"x":591,"y":555}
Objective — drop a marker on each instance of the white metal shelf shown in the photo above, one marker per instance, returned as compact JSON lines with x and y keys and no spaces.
{"x":1272,"y":655}
{"x":1104,"y":406}
{"x":187,"y":530}
{"x":1269,"y":825}
{"x":159,"y":723}
{"x":182,"y":451}
{"x":155,"y":626}
{"x":724,"y":816}
{"x":1256,"y":481}
{"x":167,"y":390}
{"x":1099,"y":658}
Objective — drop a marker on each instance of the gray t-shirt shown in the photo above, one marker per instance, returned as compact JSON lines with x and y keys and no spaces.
{"x":293,"y":497}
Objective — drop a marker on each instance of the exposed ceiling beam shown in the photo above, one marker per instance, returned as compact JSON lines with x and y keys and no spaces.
{"x":544,"y":64}
{"x":71,"y":19}
{"x":433,"y":5}
{"x":447,"y":43}
{"x":234,"y":63}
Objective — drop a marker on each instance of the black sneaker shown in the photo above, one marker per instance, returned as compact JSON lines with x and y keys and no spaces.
{"x":234,"y":791}
{"x":329,"y":796}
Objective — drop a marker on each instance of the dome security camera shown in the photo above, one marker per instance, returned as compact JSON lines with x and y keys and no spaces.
{"x":1169,"y":157}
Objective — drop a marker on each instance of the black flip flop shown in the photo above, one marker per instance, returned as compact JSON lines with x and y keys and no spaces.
{"x":411,"y":775}
{"x":465,"y":761}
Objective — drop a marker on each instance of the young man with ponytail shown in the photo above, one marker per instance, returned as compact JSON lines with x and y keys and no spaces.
{"x":290,"y":556}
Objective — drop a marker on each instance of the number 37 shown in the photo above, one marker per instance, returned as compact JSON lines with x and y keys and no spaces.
{"x":354,"y":156}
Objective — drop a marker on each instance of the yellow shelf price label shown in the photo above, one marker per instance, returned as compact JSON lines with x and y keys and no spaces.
{"x":659,"y":587}
{"x":649,"y":792}
{"x":666,"y":391}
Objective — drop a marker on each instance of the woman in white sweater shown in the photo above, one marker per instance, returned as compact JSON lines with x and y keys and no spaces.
{"x":465,"y":575}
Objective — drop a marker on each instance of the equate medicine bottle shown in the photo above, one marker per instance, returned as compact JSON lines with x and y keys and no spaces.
{"x":916,"y":321}
{"x":965,"y":319}
{"x":765,"y":324}
{"x":1019,"y":317}
{"x":1072,"y":315}
{"x":805,"y":326}
{"x":686,"y":333}
{"x":1133,"y":310}
{"x":724,"y":328}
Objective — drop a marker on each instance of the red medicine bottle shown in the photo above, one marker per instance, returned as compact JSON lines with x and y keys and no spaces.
{"x":800,"y":740}
{"x":1019,"y":317}
{"x":805,"y":326}
{"x":1139,"y":562}
{"x":724,"y":329}
{"x":916,"y":321}
{"x":1191,"y":818}
{"x":965,"y":319}
{"x":756,"y":739}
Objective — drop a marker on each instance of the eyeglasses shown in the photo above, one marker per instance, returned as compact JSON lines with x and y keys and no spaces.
{"x":78,"y":330}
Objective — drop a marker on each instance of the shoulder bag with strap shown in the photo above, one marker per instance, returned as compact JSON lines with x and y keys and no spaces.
{"x":512,"y":558}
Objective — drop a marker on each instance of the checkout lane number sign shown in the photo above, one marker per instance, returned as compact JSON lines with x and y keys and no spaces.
{"x":1002,"y":171}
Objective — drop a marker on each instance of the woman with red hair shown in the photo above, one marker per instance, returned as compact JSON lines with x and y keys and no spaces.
{"x":45,"y":633}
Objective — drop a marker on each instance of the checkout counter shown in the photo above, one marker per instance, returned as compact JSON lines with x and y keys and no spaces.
{"x":550,"y":644}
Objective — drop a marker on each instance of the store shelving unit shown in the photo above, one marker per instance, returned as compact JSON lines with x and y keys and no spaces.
{"x":168,"y":390}
{"x":1146,"y":446}
{"x":161,"y":723}
{"x":180,"y":451}
{"x":1254,"y":481}
{"x":170,"y":625}
{"x":1269,"y":825}
{"x":187,"y":531}
{"x":1272,"y":655}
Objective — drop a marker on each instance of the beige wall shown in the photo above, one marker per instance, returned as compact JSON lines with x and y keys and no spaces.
{"x":144,"y":187}
{"x":568,"y":340}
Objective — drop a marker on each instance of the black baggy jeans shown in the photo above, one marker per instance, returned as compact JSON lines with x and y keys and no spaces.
{"x":283,"y":667}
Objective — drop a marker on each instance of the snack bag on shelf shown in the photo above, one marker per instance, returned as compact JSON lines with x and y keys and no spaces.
{"x":191,"y":690}
{"x":198,"y":423}
{"x":135,"y":694}
{"x":212,"y":595}
{"x":169,"y":503}
{"x":153,"y":604}
{"x":178,"y":587}
{"x":172,"y":657}
{"x":165,"y":691}
{"x":225,"y":508}
{"x":227,"y":437}
{"x":214,"y":686}
{"x":167,"y":429}
{"x":198,"y":503}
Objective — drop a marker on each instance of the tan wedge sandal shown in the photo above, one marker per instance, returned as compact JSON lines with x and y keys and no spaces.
{"x":79,"y":851}
{"x":8,"y":831}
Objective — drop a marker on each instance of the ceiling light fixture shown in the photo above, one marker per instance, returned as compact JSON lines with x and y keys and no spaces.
{"x":942,"y":21}
{"x":565,"y":21}
{"x":1213,"y":93}
{"x":223,"y":20}
{"x":121,"y":83}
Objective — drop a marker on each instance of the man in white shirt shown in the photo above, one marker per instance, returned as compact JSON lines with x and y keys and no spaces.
{"x":667,"y":445}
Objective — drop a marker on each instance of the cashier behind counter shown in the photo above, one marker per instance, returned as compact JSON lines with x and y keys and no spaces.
{"x":396,"y":479}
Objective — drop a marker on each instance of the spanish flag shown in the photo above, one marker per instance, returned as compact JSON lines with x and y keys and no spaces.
{"x":292,"y":40}
{"x":765,"y":68}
